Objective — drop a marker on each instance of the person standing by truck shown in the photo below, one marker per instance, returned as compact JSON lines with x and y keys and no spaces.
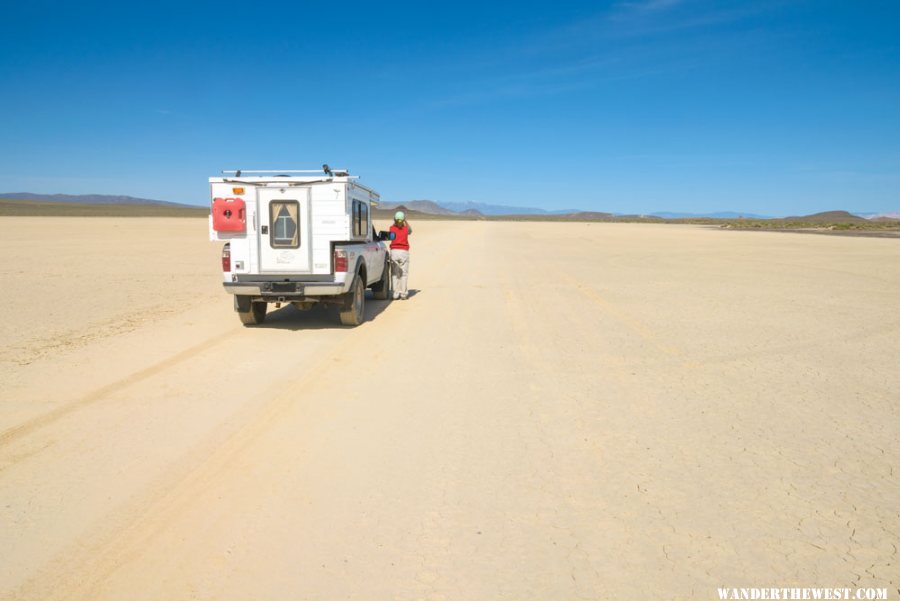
{"x":400,"y":233}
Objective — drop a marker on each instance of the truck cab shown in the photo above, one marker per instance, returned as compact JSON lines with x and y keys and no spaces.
{"x":299,"y":237}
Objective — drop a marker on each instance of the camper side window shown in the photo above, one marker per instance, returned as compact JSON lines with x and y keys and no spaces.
{"x":363,"y":219}
{"x":360,"y":219}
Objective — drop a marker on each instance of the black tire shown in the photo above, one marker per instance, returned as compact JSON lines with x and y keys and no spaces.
{"x":255,"y":315}
{"x":354,"y":309}
{"x":383,"y":289}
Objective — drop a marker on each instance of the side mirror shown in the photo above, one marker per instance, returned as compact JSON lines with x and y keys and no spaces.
{"x":383,"y":235}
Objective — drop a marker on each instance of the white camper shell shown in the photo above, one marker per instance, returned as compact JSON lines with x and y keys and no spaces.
{"x":299,"y":239}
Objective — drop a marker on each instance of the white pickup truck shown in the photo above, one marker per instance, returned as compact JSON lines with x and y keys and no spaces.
{"x":299,"y":239}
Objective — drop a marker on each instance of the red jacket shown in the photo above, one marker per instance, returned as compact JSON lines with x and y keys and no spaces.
{"x":400,"y":237}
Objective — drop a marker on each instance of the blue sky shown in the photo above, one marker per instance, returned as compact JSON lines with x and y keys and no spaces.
{"x":630,"y":106}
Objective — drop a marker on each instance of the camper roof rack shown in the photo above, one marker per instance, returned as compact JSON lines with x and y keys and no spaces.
{"x":325,"y":169}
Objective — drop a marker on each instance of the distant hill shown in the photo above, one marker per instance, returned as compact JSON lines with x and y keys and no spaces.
{"x":387,"y":214}
{"x":36,"y":208}
{"x":90,"y":199}
{"x":422,"y":206}
{"x":827,"y":217}
{"x":589,"y":215}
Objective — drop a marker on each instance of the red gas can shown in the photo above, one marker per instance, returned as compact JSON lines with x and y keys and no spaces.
{"x":229,"y":215}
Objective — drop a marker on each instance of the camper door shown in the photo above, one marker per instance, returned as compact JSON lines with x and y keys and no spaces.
{"x":284,"y":238}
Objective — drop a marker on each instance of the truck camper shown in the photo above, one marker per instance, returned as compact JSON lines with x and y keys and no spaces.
{"x":299,"y":237}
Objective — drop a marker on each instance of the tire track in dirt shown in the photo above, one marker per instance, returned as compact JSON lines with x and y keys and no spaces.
{"x":27,"y":352}
{"x":127,"y":533}
{"x":136,"y":524}
{"x":17,"y":432}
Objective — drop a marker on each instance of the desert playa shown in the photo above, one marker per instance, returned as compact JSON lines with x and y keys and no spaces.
{"x":560,"y":411}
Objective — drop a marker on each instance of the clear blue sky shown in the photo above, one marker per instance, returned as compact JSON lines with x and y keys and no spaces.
{"x":631,"y":106}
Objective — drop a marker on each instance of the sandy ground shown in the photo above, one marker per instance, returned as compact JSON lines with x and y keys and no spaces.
{"x":561,"y":411}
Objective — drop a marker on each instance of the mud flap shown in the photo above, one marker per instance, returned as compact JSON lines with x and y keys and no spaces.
{"x":346,"y":302}
{"x":241,"y":303}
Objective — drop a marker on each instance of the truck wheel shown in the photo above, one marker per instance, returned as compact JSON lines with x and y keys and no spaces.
{"x":353,"y":311}
{"x":255,"y":315}
{"x":382,"y":290}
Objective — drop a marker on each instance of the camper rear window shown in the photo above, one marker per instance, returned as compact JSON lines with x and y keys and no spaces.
{"x":283,"y":223}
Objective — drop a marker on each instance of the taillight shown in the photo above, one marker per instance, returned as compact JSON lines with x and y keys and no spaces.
{"x":340,"y":260}
{"x":226,"y":257}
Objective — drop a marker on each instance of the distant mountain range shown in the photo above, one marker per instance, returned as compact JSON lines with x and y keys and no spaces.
{"x":479,"y":208}
{"x":90,"y":199}
{"x":880,"y":216}
{"x":719,"y":215}
{"x":432,"y":207}
{"x":463,"y":209}
{"x":471,"y":208}
{"x":423,"y":206}
{"x":492,"y":209}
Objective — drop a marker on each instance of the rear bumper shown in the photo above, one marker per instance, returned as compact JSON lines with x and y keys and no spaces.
{"x":275,"y":290}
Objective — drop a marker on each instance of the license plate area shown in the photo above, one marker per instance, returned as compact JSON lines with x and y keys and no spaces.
{"x":284,"y":287}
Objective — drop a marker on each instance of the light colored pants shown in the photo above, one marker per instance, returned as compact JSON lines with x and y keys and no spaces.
{"x":400,"y":270}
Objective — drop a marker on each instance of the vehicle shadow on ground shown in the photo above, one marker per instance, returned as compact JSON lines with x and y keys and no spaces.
{"x":320,"y":317}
